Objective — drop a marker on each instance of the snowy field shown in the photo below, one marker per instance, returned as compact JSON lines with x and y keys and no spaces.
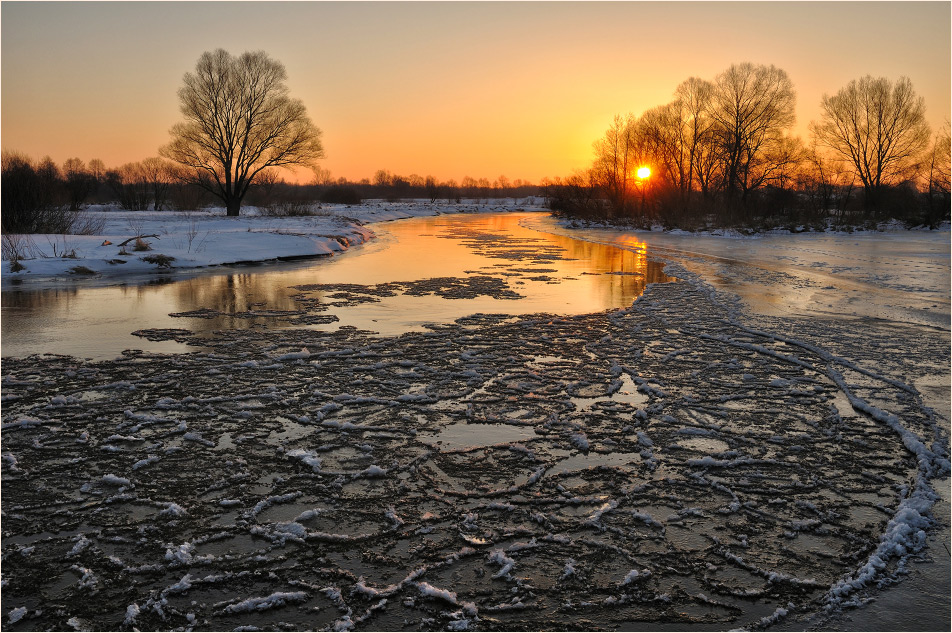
{"x":198,"y":239}
{"x":686,"y":462}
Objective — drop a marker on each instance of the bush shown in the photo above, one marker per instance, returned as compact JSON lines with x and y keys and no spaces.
{"x":162,"y":261}
{"x":286,"y":208}
{"x":341,"y":195}
{"x":17,"y":247}
{"x":32,"y":200}
{"x":29,"y":197}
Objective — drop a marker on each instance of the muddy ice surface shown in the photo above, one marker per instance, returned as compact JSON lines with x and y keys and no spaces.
{"x":663,"y":466}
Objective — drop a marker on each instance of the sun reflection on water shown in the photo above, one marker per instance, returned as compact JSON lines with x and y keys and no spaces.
{"x":553,"y":274}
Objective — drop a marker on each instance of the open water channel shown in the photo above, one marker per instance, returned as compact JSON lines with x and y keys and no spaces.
{"x":468,"y":424}
{"x":473,"y":263}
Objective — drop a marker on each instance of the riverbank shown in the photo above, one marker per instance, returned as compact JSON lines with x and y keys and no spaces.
{"x":182,"y":241}
{"x":747,"y":232}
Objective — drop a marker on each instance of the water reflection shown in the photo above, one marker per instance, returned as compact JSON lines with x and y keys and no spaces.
{"x":552,"y":273}
{"x":897,"y":275}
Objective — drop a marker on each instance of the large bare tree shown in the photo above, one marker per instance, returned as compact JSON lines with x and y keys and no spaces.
{"x":879,"y":126}
{"x":239,"y":121}
{"x":752,"y":108}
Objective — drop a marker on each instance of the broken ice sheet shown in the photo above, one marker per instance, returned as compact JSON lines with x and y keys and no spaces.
{"x":514,"y":473}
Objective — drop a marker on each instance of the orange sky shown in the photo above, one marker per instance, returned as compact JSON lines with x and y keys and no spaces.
{"x":448,"y":89}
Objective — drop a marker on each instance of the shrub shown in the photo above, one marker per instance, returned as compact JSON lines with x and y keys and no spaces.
{"x":17,"y":247}
{"x":162,"y":261}
{"x":287,"y":208}
{"x":32,"y":200}
{"x":29,"y":197}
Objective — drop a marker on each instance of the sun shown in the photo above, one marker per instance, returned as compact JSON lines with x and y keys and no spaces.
{"x":643,"y":172}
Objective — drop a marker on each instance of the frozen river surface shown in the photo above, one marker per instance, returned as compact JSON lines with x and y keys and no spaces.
{"x":687,"y":461}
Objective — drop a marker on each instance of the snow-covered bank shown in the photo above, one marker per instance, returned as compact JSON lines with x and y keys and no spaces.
{"x":900,"y":275}
{"x":198,"y":239}
{"x":745,"y":232}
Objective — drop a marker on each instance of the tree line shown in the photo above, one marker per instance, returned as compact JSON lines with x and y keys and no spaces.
{"x":722,"y":153}
{"x":41,"y":196}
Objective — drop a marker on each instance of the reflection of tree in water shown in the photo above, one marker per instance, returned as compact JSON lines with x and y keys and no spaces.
{"x":234,"y":293}
{"x":252,"y":300}
{"x":243,"y":300}
{"x":522,"y":263}
{"x":45,"y":301}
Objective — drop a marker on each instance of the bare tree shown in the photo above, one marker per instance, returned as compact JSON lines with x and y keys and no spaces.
{"x":940,"y":176}
{"x":880,"y":127}
{"x":432,"y":189}
{"x":827,"y":180}
{"x":752,"y":107}
{"x":940,"y":161}
{"x":26,"y":200}
{"x":160,"y":175}
{"x":696,"y":137}
{"x":97,"y":169}
{"x":660,"y":131}
{"x":239,"y":120}
{"x":615,"y":160}
{"x":130,"y":184}
{"x":382,"y":178}
{"x":322,"y":176}
{"x":78,"y":181}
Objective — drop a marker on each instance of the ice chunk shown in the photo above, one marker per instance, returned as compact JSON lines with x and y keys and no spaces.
{"x":499,"y":557}
{"x":132,"y":612}
{"x":568,"y":570}
{"x":309,"y":458}
{"x":173,"y":510}
{"x":113,"y":480}
{"x":181,"y":553}
{"x":429,"y":590}
{"x":151,"y":459}
{"x":579,"y":440}
{"x":304,"y":353}
{"x":15,"y":615}
{"x":277,"y":599}
{"x":373,"y":471}
{"x":636,"y":575}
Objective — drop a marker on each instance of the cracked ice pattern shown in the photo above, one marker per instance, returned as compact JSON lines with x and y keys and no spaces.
{"x":660,"y":464}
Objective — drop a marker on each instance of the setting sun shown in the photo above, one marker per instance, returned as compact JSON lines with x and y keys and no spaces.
{"x":643,"y":172}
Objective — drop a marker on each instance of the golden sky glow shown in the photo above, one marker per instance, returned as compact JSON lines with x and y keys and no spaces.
{"x":451,"y":89}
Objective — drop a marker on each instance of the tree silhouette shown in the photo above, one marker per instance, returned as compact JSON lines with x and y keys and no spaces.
{"x":752,"y":106}
{"x":880,"y":127}
{"x":239,"y":121}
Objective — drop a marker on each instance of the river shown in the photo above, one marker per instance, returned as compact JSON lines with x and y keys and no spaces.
{"x":381,"y":440}
{"x":581,"y":277}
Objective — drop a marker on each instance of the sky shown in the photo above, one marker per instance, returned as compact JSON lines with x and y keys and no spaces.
{"x":448,"y":89}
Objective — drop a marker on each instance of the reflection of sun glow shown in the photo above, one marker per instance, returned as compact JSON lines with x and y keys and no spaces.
{"x":643,"y":172}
